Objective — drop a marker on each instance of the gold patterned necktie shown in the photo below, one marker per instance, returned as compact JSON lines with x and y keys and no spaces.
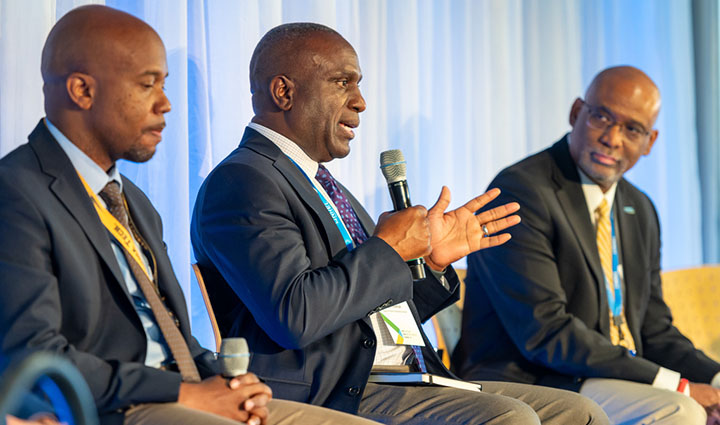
{"x":176,"y":342}
{"x":619,"y":331}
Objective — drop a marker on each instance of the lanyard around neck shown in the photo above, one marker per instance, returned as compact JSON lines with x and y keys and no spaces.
{"x":116,"y":229}
{"x":614,"y":292}
{"x":336,"y":218}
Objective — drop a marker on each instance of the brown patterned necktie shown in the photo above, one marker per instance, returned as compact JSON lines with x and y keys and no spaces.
{"x":176,"y":342}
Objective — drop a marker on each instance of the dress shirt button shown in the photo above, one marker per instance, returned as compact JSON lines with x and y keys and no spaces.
{"x":368,"y":343}
{"x":353,"y":391}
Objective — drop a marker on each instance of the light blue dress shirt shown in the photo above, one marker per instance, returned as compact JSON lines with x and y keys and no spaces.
{"x":158,"y":352}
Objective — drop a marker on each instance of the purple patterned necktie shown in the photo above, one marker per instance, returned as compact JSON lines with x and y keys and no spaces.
{"x":348,"y":216}
{"x":347,"y":213}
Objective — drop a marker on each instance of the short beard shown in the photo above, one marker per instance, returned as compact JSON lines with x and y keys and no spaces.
{"x":138,"y":154}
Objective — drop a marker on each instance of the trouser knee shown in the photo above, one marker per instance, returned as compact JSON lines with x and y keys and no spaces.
{"x":594,"y":414}
{"x":688,"y":411}
{"x":517,"y":413}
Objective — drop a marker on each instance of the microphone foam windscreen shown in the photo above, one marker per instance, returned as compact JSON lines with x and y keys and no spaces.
{"x":393,"y":166}
{"x":234,"y":357}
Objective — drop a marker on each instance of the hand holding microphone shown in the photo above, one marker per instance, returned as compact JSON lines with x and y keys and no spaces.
{"x":407,"y":230}
{"x":450,"y":235}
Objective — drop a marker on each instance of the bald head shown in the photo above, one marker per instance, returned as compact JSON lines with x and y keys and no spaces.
{"x":104,"y":73}
{"x":613,"y":125}
{"x":86,"y":37}
{"x":88,"y":40}
{"x":305,"y":80}
{"x":629,"y":85}
{"x":287,"y":50}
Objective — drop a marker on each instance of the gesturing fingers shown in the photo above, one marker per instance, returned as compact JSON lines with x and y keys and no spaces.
{"x":442,"y":202}
{"x":497,"y":213}
{"x":482,"y":200}
{"x":490,"y":228}
{"x":494,"y":240}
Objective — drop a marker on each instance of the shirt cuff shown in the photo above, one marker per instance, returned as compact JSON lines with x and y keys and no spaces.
{"x":440,"y":276}
{"x":716,"y":380}
{"x":667,"y":379}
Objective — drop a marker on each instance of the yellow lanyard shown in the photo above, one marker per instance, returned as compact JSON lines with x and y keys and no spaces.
{"x":119,"y":232}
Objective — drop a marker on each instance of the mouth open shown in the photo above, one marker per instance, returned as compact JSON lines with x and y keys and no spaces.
{"x":346,"y":128}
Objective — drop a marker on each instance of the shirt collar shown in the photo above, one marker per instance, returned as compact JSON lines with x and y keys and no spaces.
{"x":93,"y":174}
{"x":593,"y":194}
{"x":289,"y":148}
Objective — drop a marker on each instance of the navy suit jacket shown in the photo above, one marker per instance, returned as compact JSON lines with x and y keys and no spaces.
{"x":61,"y":288}
{"x":279,"y":274}
{"x":536,"y":309}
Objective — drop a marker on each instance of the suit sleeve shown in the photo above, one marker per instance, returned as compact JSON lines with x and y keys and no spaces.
{"x":662,"y":342}
{"x":31,"y":310}
{"x":272,"y":252}
{"x":523,"y":284}
{"x":431,"y":296}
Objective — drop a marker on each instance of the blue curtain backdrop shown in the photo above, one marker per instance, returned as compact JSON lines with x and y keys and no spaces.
{"x":464,"y":88}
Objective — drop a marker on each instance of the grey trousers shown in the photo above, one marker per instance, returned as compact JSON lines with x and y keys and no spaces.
{"x":628,"y":402}
{"x":498,"y":403}
{"x":282,"y":412}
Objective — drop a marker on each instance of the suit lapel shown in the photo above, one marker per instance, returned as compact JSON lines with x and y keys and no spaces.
{"x":299,"y":182}
{"x":366,"y":221}
{"x":69,"y":190}
{"x":630,"y":243}
{"x":572,"y":200}
{"x":167,"y":282}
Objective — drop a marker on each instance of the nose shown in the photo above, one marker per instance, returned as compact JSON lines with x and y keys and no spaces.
{"x":163,"y":106}
{"x":357,"y":102}
{"x":612,"y":137}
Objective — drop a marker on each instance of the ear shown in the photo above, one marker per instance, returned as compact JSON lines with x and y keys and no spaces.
{"x":282,"y":92}
{"x":651,"y":142}
{"x":575,"y":111}
{"x":81,"y":89}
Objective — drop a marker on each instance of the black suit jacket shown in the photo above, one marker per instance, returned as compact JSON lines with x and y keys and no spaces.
{"x":536,"y":309}
{"x":61,"y":288}
{"x":279,"y":274}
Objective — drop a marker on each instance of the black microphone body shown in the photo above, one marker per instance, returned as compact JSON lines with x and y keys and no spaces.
{"x":392,"y":164}
{"x":400,"y":195}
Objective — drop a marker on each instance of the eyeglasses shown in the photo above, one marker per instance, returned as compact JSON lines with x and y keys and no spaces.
{"x":601,"y":118}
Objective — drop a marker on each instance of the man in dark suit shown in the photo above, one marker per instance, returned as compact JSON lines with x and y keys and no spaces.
{"x":296,"y":265}
{"x":574,"y":299}
{"x":83,"y":268}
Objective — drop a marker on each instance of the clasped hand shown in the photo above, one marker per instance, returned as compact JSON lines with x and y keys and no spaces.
{"x":445,"y":237}
{"x":243,"y":398}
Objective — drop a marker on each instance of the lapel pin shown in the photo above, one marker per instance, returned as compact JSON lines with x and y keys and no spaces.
{"x":629,"y":210}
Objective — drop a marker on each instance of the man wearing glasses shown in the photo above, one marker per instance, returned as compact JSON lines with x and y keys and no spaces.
{"x":573,"y":300}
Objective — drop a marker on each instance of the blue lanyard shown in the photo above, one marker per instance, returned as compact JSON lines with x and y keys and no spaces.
{"x":336,"y":219}
{"x":614,"y":294}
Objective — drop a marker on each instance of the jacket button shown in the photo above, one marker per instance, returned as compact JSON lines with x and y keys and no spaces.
{"x":353,"y":391}
{"x":368,"y":343}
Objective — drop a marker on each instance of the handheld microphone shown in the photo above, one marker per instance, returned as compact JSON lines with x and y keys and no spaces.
{"x":394,"y":168}
{"x":234,"y":357}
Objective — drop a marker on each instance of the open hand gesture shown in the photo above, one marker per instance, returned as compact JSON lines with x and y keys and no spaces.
{"x":457,"y":233}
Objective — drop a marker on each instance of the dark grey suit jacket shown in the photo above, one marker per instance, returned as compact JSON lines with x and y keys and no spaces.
{"x":536,"y":309}
{"x":61,"y":288}
{"x":279,"y":274}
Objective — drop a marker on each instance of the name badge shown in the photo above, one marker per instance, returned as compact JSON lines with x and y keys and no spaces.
{"x":401,"y":324}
